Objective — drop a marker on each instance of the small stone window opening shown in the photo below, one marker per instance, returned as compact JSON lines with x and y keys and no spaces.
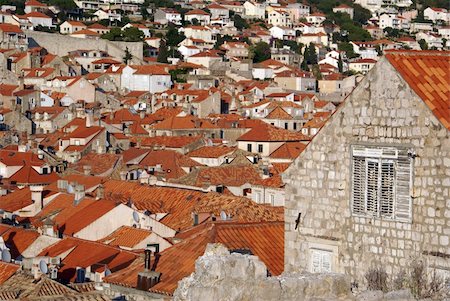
{"x":320,"y":261}
{"x":382,"y":182}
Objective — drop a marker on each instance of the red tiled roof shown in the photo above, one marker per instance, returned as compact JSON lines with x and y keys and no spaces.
{"x":289,"y":150}
{"x":76,"y":23}
{"x":180,"y":203}
{"x":186,"y":122}
{"x":7,"y":90}
{"x":16,"y":200}
{"x":197,"y":12}
{"x":87,"y":32}
{"x":17,"y":239}
{"x":36,"y":14}
{"x":99,"y":163}
{"x":7,"y":270}
{"x":34,"y":3}
{"x":278,"y":113}
{"x":5,"y":27}
{"x":168,"y":141}
{"x":211,"y":151}
{"x":265,"y":240}
{"x":270,"y":133}
{"x":428,"y":74}
{"x":126,"y":237}
{"x":83,"y":253}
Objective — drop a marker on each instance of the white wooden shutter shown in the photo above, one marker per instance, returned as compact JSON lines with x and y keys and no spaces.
{"x":372,"y":185}
{"x":358,"y":185}
{"x":387,"y":188}
{"x":315,"y":261}
{"x":403,"y":204}
{"x":326,"y":262}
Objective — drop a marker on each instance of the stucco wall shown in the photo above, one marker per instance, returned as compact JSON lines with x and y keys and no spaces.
{"x":382,"y":109}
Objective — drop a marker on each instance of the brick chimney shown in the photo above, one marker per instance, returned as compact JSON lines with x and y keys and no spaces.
{"x":148,"y":278}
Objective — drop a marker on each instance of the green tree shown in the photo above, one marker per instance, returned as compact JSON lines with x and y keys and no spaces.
{"x":304,"y":64}
{"x":115,"y":34}
{"x":132,"y":34}
{"x":348,"y":48}
{"x":391,"y":32}
{"x":261,"y":52}
{"x":127,"y":57}
{"x":239,"y":22}
{"x":423,"y":44}
{"x":173,"y":36}
{"x":312,"y":55}
{"x":340,"y":64}
{"x":361,"y":14}
{"x":63,"y":4}
{"x":163,"y":53}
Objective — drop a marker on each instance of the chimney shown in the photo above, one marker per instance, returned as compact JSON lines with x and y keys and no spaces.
{"x":62,"y":185}
{"x":100,"y":192}
{"x":87,"y":170}
{"x":79,"y":194}
{"x":89,"y":118}
{"x":36,"y":197}
{"x":142,"y":114}
{"x":148,"y":278}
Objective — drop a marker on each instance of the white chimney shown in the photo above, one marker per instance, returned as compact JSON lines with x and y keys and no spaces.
{"x":36,"y":197}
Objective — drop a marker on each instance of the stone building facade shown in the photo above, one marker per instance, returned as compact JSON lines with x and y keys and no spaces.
{"x":372,"y":188}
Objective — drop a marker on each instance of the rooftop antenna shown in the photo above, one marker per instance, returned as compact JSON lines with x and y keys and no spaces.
{"x":6,"y":255}
{"x":43,"y":266}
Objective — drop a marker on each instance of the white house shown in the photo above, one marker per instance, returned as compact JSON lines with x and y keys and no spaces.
{"x":188,"y":51}
{"x":282,"y":32}
{"x":393,"y":21}
{"x":362,"y":65}
{"x":69,"y":27}
{"x":197,"y":14}
{"x":167,"y":15}
{"x":434,"y":14}
{"x":279,"y":17}
{"x":255,"y":10}
{"x":316,"y":18}
{"x":152,"y":78}
{"x":39,"y":19}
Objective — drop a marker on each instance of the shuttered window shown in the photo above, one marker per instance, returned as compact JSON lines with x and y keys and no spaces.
{"x":320,"y":261}
{"x":382,"y":182}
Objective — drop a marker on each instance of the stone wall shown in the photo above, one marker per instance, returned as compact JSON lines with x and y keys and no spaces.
{"x":383,"y":109}
{"x":220,"y":275}
{"x":61,"y":44}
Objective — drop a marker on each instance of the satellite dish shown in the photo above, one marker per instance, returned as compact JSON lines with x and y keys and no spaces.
{"x":43,"y":266}
{"x":1,"y":117}
{"x":223,"y":215}
{"x":70,"y":189}
{"x":107,"y":272}
{"x":136,"y":216}
{"x":6,"y":255}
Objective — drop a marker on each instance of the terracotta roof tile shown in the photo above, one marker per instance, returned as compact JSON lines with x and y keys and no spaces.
{"x":265,"y":240}
{"x":211,"y":151}
{"x":7,"y":270}
{"x":278,"y":113}
{"x":289,"y":150}
{"x":428,"y":74}
{"x":270,"y":133}
{"x":126,"y":237}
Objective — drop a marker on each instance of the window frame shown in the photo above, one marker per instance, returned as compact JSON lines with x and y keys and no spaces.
{"x":400,"y":208}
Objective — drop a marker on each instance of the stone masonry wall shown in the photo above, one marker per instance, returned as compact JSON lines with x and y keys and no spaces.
{"x":382,"y":109}
{"x":222,"y":276}
{"x":61,"y":44}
